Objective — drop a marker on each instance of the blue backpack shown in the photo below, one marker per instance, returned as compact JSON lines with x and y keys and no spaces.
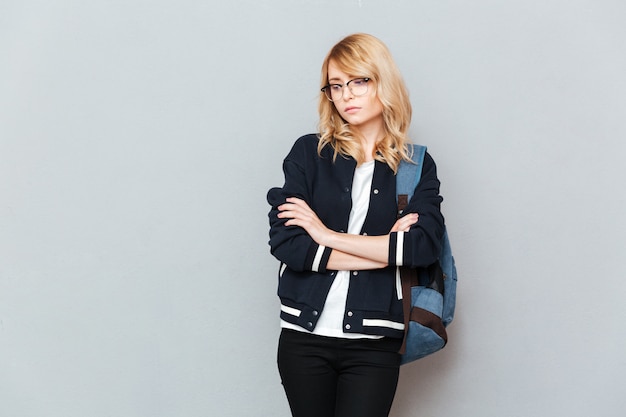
{"x":429,"y":294}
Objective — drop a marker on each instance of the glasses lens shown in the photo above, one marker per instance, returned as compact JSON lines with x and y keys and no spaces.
{"x":358,"y":86}
{"x":336,"y":92}
{"x":328,"y":93}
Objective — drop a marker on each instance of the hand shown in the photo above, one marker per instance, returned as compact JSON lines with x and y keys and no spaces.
{"x":404,"y":223}
{"x":300,"y":214}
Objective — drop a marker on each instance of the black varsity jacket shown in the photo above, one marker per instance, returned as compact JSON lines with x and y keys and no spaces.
{"x":374,"y":304}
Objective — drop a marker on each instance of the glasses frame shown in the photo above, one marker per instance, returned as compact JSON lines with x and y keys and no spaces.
{"x":328,"y":94}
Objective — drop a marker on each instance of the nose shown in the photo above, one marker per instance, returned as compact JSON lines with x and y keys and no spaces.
{"x":346,"y":93}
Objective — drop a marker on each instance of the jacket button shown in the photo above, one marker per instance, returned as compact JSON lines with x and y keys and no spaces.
{"x":347,"y":327}
{"x":350,"y":313}
{"x":347,"y":190}
{"x":364,"y":233}
{"x":375,"y":190}
{"x":309,"y":324}
{"x":355,"y":273}
{"x":315,"y":313}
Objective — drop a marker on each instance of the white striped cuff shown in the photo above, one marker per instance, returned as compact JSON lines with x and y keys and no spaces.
{"x":399,"y":248}
{"x":318,"y":258}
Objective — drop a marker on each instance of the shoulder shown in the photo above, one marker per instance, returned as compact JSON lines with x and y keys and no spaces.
{"x":428,"y":159}
{"x":309,"y":140}
{"x":304,"y":147}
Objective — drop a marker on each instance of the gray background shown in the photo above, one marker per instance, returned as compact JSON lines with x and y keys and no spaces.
{"x":138,"y":140}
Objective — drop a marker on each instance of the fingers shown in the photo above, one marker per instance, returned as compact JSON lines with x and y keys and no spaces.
{"x":411,"y":218}
{"x":294,"y":205}
{"x":297,"y":211}
{"x":404,"y":224}
{"x":297,"y":202}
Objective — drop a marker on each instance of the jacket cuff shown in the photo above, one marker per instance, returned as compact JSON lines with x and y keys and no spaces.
{"x":320,"y":257}
{"x":396,"y":248}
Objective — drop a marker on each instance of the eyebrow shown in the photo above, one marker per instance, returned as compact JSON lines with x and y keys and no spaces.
{"x":337,"y":79}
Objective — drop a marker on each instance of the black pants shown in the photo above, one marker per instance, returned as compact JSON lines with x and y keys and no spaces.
{"x":333,"y":377}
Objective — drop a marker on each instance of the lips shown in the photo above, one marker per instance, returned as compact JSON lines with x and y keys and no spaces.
{"x":351,"y":109}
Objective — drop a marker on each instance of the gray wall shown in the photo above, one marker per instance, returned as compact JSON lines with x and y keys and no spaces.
{"x":138,"y":140}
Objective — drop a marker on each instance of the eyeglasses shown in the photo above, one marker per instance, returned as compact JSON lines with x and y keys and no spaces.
{"x":357,"y":87}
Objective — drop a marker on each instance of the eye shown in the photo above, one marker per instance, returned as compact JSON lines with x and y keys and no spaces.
{"x":357,"y":82}
{"x":335,"y":87}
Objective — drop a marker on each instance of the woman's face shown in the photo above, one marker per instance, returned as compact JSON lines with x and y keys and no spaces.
{"x":362,"y":112}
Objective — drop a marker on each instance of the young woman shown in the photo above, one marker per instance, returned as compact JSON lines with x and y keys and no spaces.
{"x":334,"y":227}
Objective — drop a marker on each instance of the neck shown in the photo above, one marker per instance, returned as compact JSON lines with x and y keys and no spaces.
{"x":369,"y":138}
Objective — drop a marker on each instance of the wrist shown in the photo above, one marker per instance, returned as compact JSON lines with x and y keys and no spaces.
{"x":329,"y":239}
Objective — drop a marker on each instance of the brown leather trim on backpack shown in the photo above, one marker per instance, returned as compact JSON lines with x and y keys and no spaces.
{"x":430,"y":320}
{"x":409,"y":278}
{"x":403,"y":201}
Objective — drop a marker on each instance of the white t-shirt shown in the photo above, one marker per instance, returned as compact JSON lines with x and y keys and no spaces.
{"x":330,"y":322}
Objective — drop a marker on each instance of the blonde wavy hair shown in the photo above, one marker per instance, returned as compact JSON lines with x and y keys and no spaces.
{"x":364,"y":55}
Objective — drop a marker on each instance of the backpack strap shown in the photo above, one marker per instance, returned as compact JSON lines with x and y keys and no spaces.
{"x":409,"y":175}
{"x":407,"y":178}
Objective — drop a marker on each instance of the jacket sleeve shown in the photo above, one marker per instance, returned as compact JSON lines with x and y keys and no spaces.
{"x":292,"y":245}
{"x":421,"y":245}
